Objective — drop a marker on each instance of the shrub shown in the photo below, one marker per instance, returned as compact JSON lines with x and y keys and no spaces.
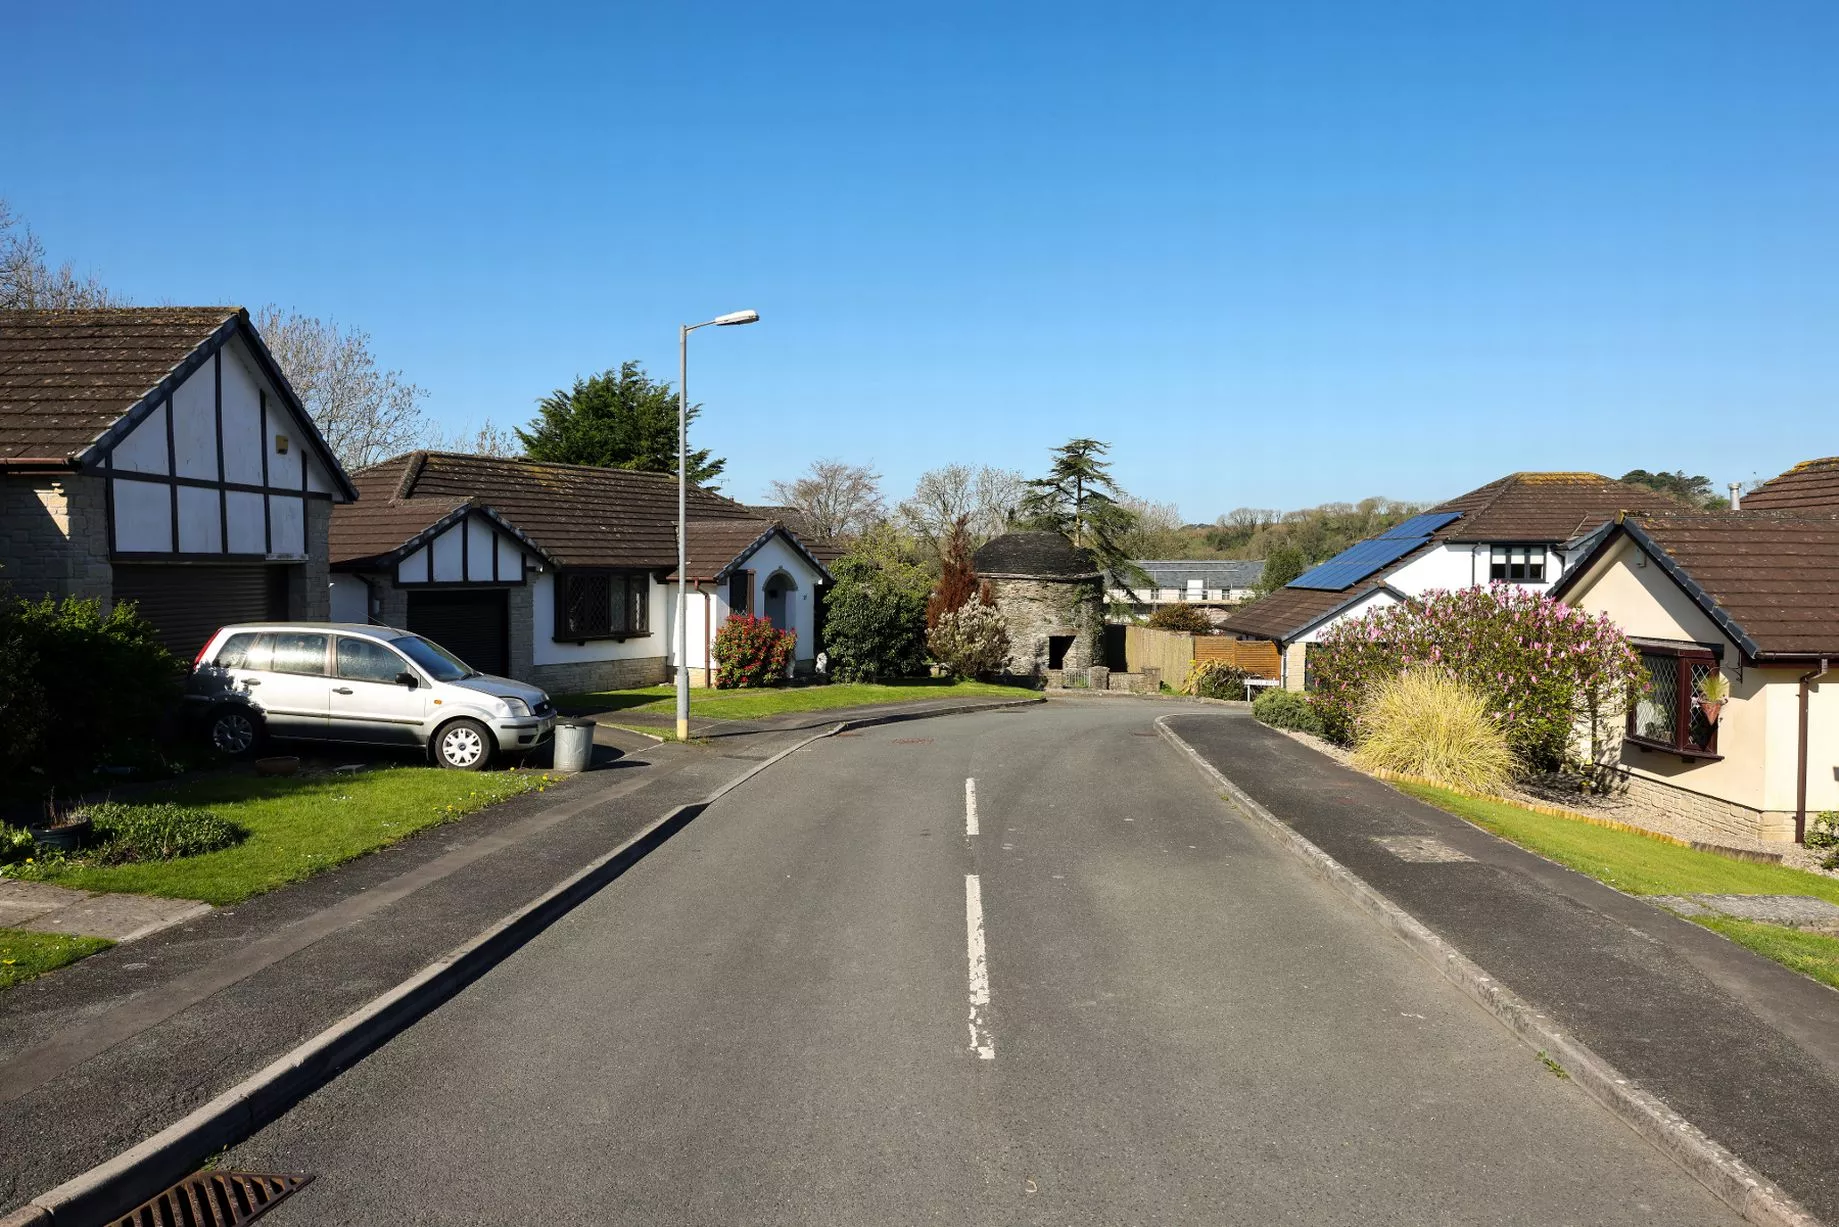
{"x":1286,"y":709}
{"x":971,"y":641}
{"x":1823,"y":831}
{"x":15,"y":844}
{"x":1424,"y":722}
{"x":1215,"y":679}
{"x":875,"y":622}
{"x":1553,"y":676}
{"x":1184,"y":618}
{"x":79,"y":687}
{"x":751,"y":651}
{"x":159,"y":832}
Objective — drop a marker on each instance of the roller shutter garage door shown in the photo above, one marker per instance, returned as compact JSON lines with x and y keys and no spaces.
{"x":187,"y":603}
{"x":475,"y":626}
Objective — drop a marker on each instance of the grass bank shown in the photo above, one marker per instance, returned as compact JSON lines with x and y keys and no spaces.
{"x":297,"y":828}
{"x":1637,"y":865}
{"x":24,"y":955}
{"x":774,"y":700}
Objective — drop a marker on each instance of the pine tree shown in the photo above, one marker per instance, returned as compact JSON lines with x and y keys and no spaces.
{"x":1080,"y":499}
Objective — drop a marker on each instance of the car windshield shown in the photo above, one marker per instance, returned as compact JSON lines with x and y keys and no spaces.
{"x":436,"y":661}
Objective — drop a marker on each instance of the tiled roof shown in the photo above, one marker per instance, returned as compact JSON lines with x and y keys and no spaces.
{"x":1288,"y":611}
{"x":67,"y":376}
{"x":1770,"y":577}
{"x":1043,"y":554}
{"x":1212,"y":572}
{"x":795,"y":519}
{"x":578,"y":515}
{"x":1809,"y":484}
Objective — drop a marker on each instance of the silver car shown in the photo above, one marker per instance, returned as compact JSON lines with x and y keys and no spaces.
{"x":344,"y":682}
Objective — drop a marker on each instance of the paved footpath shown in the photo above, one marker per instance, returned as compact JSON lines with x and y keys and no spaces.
{"x":1000,"y":968}
{"x":1742,"y":1047}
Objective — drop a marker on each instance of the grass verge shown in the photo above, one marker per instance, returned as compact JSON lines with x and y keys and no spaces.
{"x":753,"y":704}
{"x":297,"y":828}
{"x":1637,"y":865}
{"x":24,"y":955}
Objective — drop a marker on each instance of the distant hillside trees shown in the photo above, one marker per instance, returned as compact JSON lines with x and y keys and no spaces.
{"x":1693,"y":491}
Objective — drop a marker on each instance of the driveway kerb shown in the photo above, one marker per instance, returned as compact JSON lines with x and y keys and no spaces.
{"x":113,"y":1188}
{"x":1730,"y":1179}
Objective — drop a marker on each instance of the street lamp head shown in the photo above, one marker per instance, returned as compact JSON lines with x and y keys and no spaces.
{"x":737,"y":317}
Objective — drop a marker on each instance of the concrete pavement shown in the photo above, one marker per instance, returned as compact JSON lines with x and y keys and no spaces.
{"x":775,"y":1018}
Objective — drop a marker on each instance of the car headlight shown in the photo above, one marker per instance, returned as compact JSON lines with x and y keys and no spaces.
{"x":517,"y":707}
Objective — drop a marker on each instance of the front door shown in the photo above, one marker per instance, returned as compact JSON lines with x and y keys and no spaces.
{"x":368,"y":702}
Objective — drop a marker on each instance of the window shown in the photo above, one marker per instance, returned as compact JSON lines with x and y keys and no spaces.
{"x":436,"y":661}
{"x":296,"y":653}
{"x":1666,"y":713}
{"x":740,"y":592}
{"x":360,"y":660}
{"x":244,"y":650}
{"x":602,"y":604}
{"x":1520,"y":564}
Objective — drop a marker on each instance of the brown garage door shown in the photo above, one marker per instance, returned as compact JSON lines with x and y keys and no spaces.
{"x":472,"y":625}
{"x":187,"y":603}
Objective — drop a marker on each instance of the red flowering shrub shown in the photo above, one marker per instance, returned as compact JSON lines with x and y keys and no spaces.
{"x":1552,"y":675}
{"x":751,"y":651}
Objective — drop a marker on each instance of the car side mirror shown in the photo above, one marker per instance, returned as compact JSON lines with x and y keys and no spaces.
{"x":406,"y":679}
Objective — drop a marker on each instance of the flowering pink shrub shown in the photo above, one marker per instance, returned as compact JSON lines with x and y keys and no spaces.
{"x":751,"y":651}
{"x":1552,"y":675}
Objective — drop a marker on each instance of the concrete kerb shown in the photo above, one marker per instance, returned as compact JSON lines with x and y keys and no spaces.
{"x":1729,"y":1178}
{"x":111,"y":1189}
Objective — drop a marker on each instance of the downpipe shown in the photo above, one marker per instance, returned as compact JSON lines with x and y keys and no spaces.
{"x":1808,"y":682}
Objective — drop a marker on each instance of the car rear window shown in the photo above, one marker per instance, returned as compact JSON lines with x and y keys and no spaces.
{"x":244,"y":650}
{"x":297,"y":653}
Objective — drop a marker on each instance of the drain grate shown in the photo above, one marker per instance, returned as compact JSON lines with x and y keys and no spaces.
{"x":1141,"y":733}
{"x":215,"y":1199}
{"x":913,"y":741}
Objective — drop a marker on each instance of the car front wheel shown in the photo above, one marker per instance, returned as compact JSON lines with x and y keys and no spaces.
{"x":464,"y":745}
{"x":234,"y":731}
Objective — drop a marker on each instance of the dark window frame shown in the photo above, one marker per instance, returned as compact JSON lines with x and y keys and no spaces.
{"x":621,"y":614}
{"x":1500,"y":570}
{"x":1683,"y":742}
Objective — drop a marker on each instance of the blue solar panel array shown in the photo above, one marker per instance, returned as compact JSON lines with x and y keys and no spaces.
{"x":1421,"y":526}
{"x":1356,"y":562}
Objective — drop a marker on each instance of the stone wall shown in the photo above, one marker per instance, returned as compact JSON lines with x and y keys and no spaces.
{"x":1036,"y":609}
{"x":1715,"y":815}
{"x":309,"y":592}
{"x":54,"y":536}
{"x":580,"y":676}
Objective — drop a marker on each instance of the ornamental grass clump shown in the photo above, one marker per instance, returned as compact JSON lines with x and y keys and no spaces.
{"x":1424,"y":722}
{"x":1215,"y":679}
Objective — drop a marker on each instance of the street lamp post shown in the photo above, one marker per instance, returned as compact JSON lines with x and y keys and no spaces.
{"x":683,"y":499}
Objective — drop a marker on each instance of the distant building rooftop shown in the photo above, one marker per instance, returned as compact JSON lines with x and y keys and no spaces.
{"x":1221,"y":573}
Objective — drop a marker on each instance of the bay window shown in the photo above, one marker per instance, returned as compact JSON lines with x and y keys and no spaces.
{"x":1666,"y":714}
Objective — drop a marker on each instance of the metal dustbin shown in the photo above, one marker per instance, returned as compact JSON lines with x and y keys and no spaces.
{"x":574,"y":745}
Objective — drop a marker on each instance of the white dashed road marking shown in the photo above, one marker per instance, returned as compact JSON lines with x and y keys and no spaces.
{"x":981,"y":1042}
{"x":970,"y":807}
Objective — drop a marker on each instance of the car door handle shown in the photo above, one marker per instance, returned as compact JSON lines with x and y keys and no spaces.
{"x":341,"y":690}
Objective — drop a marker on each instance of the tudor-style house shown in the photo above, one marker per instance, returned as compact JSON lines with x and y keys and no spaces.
{"x":563,"y":575}
{"x":1525,"y":529}
{"x":158,"y":454}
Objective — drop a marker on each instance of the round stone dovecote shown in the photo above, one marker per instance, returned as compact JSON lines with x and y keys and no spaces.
{"x":1051,"y":594}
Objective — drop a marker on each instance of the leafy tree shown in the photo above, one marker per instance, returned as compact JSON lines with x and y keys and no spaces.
{"x":875,"y":624}
{"x":839,"y":501}
{"x":1081,"y":499}
{"x":957,"y":586}
{"x":1281,"y":565}
{"x":1693,"y":491}
{"x":617,"y":420}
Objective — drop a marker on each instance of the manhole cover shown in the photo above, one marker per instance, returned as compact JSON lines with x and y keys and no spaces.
{"x":1420,"y":848}
{"x":913,"y":741}
{"x":215,"y":1199}
{"x":1797,"y":911}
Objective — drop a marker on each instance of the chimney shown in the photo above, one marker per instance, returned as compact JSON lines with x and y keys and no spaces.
{"x":1736,"y":496}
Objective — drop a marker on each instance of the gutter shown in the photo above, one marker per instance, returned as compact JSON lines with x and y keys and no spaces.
{"x":1808,"y":681}
{"x":37,"y":462}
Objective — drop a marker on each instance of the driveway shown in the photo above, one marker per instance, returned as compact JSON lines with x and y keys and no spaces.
{"x":825,"y":1001}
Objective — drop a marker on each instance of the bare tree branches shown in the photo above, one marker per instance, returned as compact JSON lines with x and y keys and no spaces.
{"x":27,"y":281}
{"x":839,"y":501}
{"x":490,"y":439}
{"x":366,"y":414}
{"x":987,"y":496}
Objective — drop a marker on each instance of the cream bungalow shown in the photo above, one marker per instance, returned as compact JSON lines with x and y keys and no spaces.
{"x":1753,"y":596}
{"x":563,"y":575}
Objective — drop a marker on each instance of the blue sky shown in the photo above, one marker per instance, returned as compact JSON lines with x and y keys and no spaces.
{"x":1275,"y":253}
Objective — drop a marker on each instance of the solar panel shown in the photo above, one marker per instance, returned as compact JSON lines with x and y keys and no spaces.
{"x":1356,"y":562}
{"x":1420,"y":526}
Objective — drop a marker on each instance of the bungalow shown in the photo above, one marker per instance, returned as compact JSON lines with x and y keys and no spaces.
{"x":158,"y":455}
{"x":1752,"y":595}
{"x":1524,"y":529}
{"x":562,"y":575}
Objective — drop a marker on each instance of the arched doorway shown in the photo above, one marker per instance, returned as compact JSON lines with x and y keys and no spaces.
{"x":777,"y":601}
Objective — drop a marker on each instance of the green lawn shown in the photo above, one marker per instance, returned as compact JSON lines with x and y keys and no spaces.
{"x":750,"y":704}
{"x":1642,"y":866}
{"x":296,"y":828}
{"x":24,"y":955}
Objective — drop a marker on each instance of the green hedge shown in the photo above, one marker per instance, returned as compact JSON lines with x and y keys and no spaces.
{"x":1286,"y":709}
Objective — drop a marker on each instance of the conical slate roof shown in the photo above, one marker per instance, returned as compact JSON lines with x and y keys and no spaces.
{"x":1036,"y":555}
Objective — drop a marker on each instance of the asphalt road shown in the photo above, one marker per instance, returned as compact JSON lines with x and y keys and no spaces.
{"x":778,"y":1018}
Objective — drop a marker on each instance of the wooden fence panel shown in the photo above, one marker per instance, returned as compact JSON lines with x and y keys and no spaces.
{"x":1257,"y":657}
{"x":1169,"y":651}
